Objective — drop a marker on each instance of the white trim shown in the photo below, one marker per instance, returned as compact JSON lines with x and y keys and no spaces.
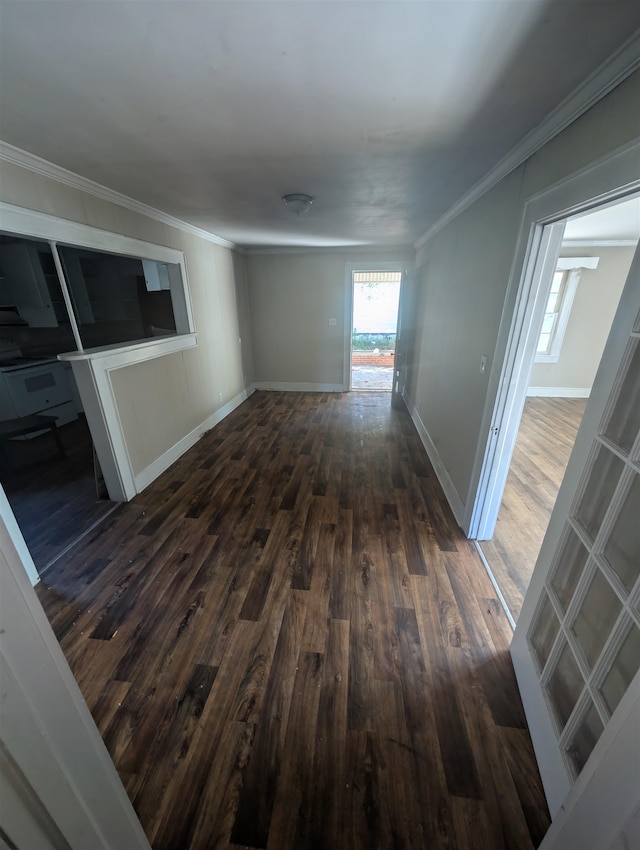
{"x":51,"y":228}
{"x":599,"y":243}
{"x":603,"y":786}
{"x":115,"y":356}
{"x":559,"y":392}
{"x":92,"y":372}
{"x":495,"y":584}
{"x":356,"y":248}
{"x":40,"y":225}
{"x":368,"y":265}
{"x":610,"y":74}
{"x":47,"y":729}
{"x":611,"y":178}
{"x":455,"y":502}
{"x":301,"y":387}
{"x":541,"y":246}
{"x":155,"y":469}
{"x":14,"y":532}
{"x":567,"y":294}
{"x":17,"y":156}
{"x":571,"y":263}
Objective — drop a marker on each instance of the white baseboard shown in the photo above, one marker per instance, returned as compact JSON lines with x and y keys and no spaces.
{"x":155,"y":469}
{"x":284,"y":386}
{"x":559,"y":392}
{"x":453,"y":497}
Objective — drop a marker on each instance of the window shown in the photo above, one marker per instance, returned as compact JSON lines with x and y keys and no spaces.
{"x":67,"y":286}
{"x":559,"y":304}
{"x":120,"y":299}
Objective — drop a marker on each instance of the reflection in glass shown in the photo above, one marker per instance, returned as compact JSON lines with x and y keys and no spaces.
{"x":624,"y":422}
{"x":119,"y":299}
{"x":33,"y":314}
{"x":595,"y":619}
{"x":571,"y":561}
{"x":624,"y":668}
{"x":545,"y":631}
{"x":584,"y":738}
{"x":603,"y":479}
{"x":564,"y":686}
{"x":622,"y":549}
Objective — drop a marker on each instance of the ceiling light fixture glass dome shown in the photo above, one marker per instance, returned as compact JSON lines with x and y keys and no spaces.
{"x":298,"y":203}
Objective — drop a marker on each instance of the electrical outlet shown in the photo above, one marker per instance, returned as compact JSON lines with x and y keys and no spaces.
{"x":332,"y":323}
{"x":220,"y":397}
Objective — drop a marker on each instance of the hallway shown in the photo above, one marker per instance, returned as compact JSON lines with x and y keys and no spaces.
{"x":286,"y":642}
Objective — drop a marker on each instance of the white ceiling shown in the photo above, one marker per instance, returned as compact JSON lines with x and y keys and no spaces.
{"x":386,"y":112}
{"x":617,"y":223}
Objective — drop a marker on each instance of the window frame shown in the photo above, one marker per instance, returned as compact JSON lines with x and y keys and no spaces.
{"x":92,"y":368}
{"x":64,"y":233}
{"x":571,"y":269}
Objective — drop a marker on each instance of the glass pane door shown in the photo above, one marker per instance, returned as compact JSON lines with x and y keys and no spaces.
{"x":585,"y":634}
{"x":576,"y":649}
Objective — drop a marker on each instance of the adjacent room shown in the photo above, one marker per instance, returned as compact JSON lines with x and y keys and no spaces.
{"x":270,"y":303}
{"x":584,"y":291}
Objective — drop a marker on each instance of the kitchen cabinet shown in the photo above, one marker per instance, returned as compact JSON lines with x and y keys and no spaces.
{"x":31,"y":278}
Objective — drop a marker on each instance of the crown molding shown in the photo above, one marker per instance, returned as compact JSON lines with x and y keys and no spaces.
{"x":17,"y":156}
{"x":599,"y":243}
{"x":604,"y":79}
{"x":362,"y":249}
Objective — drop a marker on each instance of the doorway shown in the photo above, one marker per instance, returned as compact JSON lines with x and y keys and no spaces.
{"x":581,"y":290}
{"x":376,"y":298}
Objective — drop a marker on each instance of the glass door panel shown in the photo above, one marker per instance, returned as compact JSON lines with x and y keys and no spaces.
{"x":601,"y":484}
{"x":595,"y":618}
{"x":564,"y":686}
{"x":622,"y":549}
{"x":623,"y":668}
{"x":584,"y":738}
{"x":571,"y":562}
{"x":624,"y":420}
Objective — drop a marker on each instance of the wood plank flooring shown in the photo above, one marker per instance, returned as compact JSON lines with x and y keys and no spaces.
{"x":53,"y":498}
{"x":546,"y":436}
{"x":286,"y":642}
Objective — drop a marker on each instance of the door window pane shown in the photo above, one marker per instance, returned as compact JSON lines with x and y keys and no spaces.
{"x":595,"y":619}
{"x":622,"y":549}
{"x":603,"y":480}
{"x":624,"y":421}
{"x":584,"y":738}
{"x":564,"y":686}
{"x":571,"y":562}
{"x":544,"y":632}
{"x":624,"y":668}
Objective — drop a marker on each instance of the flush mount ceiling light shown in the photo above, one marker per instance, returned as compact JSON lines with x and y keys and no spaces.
{"x":298,"y":203}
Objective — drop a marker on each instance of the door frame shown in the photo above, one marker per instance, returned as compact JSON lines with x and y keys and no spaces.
{"x":606,"y":181}
{"x":350,"y":268}
{"x":53,"y":757}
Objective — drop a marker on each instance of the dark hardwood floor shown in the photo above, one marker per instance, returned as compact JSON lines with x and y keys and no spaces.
{"x":286,"y":642}
{"x":53,"y":498}
{"x":546,"y":436}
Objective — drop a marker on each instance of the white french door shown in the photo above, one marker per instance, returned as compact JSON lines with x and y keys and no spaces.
{"x":576,"y":648}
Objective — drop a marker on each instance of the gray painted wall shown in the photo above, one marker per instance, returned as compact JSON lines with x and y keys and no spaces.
{"x":162,"y":400}
{"x":467,"y":288}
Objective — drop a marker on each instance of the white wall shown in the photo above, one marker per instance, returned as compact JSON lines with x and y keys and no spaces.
{"x":592,"y":313}
{"x":468,"y":287}
{"x":161,"y":401}
{"x":292,"y":296}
